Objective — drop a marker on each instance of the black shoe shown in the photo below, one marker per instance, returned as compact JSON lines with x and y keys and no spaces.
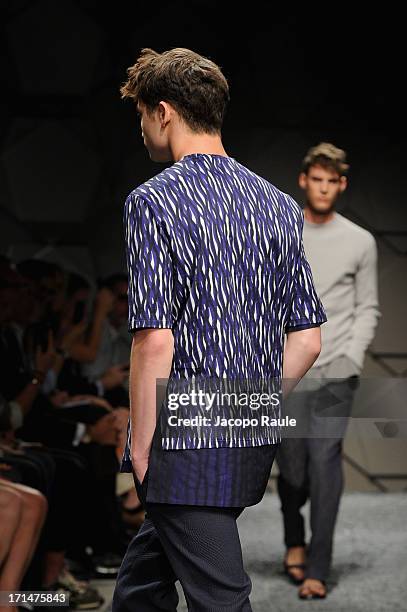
{"x":80,"y":566}
{"x":107,"y":565}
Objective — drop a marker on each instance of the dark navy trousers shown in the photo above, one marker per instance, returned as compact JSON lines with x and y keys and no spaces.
{"x":197,"y":545}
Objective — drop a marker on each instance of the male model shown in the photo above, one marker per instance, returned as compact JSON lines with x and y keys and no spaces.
{"x":343,"y":259}
{"x":217,"y":276}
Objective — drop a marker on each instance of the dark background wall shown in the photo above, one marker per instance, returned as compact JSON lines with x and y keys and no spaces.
{"x":71,"y":149}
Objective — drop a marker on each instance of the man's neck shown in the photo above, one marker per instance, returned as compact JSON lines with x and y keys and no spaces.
{"x":317,"y":218}
{"x":201,"y":143}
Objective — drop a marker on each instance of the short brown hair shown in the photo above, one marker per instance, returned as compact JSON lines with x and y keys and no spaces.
{"x":193,"y":84}
{"x":328,"y":156}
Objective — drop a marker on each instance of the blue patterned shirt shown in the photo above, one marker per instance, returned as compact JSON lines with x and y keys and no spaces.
{"x":215,"y":253}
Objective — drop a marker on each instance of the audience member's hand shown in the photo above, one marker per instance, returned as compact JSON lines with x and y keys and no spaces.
{"x":72,"y":334}
{"x":122,"y":419}
{"x":115,"y":376}
{"x":104,"y":301}
{"x":11,"y":448}
{"x":94,"y":400}
{"x":104,"y":431}
{"x":44,"y":360}
{"x":59,"y":398}
{"x":8,"y":437}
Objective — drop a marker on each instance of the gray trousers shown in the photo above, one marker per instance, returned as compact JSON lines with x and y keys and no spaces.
{"x":310,"y":466}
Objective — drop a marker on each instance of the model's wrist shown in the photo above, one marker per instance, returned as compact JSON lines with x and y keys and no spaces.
{"x":139,"y":458}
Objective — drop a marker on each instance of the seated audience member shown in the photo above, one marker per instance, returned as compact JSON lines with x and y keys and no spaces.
{"x":22,"y":515}
{"x":80,"y":341}
{"x":38,"y":417}
{"x":33,"y":535}
{"x":113,"y":353}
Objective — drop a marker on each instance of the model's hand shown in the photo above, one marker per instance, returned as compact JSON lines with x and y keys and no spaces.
{"x":140,"y":468}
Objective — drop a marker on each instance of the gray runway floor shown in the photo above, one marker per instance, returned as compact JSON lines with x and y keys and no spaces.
{"x":369,"y":570}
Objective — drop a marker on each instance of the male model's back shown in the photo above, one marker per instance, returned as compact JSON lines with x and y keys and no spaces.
{"x":215,"y":253}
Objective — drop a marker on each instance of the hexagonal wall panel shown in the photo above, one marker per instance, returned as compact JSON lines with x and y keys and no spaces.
{"x":52,"y":176}
{"x":60,"y":51}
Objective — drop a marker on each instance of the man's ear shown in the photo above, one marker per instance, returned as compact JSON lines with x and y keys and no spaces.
{"x":161,"y":111}
{"x":302,"y":180}
{"x":343,"y":183}
{"x":165,"y":112}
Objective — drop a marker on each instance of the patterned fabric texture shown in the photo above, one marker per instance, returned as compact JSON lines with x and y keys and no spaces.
{"x":215,"y":253}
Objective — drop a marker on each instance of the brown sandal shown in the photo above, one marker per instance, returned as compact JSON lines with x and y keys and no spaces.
{"x":294,"y":579}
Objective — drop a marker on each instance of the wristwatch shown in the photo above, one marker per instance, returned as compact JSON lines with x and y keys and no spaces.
{"x":38,"y":377}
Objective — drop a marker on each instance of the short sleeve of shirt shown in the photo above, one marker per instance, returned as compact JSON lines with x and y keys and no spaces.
{"x":149,"y":267}
{"x":306,"y":309}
